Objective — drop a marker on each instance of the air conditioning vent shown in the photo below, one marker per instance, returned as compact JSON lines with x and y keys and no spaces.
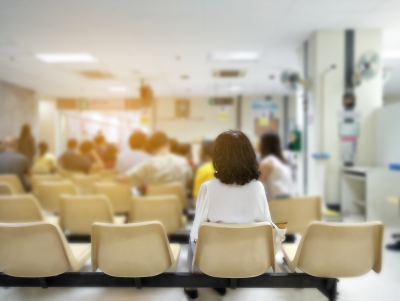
{"x":229,"y":73}
{"x":95,"y":74}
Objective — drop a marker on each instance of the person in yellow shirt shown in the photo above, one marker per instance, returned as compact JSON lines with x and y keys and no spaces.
{"x":206,"y":171}
{"x":44,"y":161}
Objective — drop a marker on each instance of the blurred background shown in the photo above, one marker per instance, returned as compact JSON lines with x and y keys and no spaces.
{"x":323,"y":74}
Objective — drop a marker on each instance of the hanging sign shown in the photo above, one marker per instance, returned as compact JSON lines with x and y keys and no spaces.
{"x":222,"y":113}
{"x":264,"y":105}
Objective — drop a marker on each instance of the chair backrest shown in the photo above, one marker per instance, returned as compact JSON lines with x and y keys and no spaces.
{"x":131,"y":250}
{"x":107,"y":174}
{"x":79,"y":212}
{"x":338,"y":250}
{"x":39,"y":178}
{"x":41,"y":170}
{"x":20,"y":208}
{"x":5,"y":189}
{"x":50,"y":193}
{"x":118,"y":194}
{"x":67,"y":174}
{"x":84,"y":183}
{"x":164,"y":189}
{"x":164,"y":209}
{"x":235,"y":250}
{"x":14,"y":182}
{"x":36,"y":249}
{"x":299,"y":212}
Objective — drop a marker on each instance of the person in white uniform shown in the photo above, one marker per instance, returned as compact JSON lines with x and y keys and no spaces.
{"x":234,"y":196}
{"x":276,"y":174}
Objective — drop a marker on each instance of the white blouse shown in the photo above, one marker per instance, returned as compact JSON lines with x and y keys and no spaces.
{"x":230,"y":204}
{"x":279,"y":182}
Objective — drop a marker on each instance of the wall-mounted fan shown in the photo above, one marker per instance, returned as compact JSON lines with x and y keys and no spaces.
{"x":294,"y":82}
{"x":366,"y":68}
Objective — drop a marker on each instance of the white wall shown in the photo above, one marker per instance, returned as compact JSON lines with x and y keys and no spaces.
{"x":326,"y":47}
{"x":18,"y":106}
{"x":388,"y":138}
{"x":47,"y":122}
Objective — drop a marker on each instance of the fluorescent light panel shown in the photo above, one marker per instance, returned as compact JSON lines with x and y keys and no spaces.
{"x":235,"y":56}
{"x":66,"y":57}
{"x":391,"y":54}
{"x":117,"y":89}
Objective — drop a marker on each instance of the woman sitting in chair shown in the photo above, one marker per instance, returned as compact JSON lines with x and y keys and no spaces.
{"x":275,"y":172}
{"x":234,"y":196}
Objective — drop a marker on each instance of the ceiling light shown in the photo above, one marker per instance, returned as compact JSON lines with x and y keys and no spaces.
{"x":66,"y":57}
{"x":391,"y":55}
{"x":239,"y":56}
{"x":118,"y":89}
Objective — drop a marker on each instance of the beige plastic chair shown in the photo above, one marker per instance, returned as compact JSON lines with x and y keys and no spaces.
{"x":165,"y":209}
{"x":85,"y":183}
{"x":41,"y":171}
{"x":299,"y":212}
{"x":78,"y":213}
{"x":133,"y":250}
{"x":14,"y":183}
{"x":38,"y":250}
{"x":107,"y":174}
{"x":5,"y":189}
{"x":39,"y":178}
{"x":118,"y":194}
{"x":50,"y":193}
{"x":67,"y":174}
{"x":165,"y":189}
{"x":22,"y":208}
{"x":336,"y":250}
{"x":235,"y":250}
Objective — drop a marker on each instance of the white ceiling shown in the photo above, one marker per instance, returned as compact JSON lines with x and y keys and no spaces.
{"x":142,"y":39}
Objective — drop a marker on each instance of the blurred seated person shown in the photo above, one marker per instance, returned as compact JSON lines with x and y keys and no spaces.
{"x":135,"y":154}
{"x":13,"y":162}
{"x":86,"y":160}
{"x":275,"y":172}
{"x":162,"y":168}
{"x":234,"y":196}
{"x":174,"y":146}
{"x":185,"y":150}
{"x":100,"y":145}
{"x":44,"y":160}
{"x":110,"y":156}
{"x":204,"y":172}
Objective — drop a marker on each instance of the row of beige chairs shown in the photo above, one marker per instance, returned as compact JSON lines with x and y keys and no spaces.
{"x":48,"y":188}
{"x":78,"y":212}
{"x":329,"y":250}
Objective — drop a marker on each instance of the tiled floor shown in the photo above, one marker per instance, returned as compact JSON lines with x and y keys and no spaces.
{"x":371,"y":287}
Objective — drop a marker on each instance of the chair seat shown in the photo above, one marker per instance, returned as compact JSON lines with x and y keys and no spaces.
{"x":119,"y":219}
{"x":289,"y":251}
{"x":81,"y":251}
{"x":52,"y":219}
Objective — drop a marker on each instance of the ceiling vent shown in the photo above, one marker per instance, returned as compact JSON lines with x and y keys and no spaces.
{"x":95,"y":74}
{"x":229,"y":73}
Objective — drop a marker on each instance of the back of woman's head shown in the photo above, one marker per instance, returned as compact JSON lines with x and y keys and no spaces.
{"x":234,"y":159}
{"x":43,"y":148}
{"x":25,"y":131}
{"x":270,"y":144}
{"x":86,"y":147}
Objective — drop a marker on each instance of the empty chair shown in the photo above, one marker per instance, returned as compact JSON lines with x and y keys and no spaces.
{"x":299,"y":212}
{"x":336,"y":250}
{"x":164,"y":189}
{"x":133,"y":250}
{"x":14,"y":183}
{"x":85,"y":183}
{"x":5,"y":189}
{"x":38,"y":249}
{"x":118,"y":194}
{"x":38,"y":178}
{"x":235,"y":250}
{"x":107,"y":174}
{"x":79,"y":212}
{"x":165,"y":209}
{"x":50,"y":193}
{"x":22,"y":208}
